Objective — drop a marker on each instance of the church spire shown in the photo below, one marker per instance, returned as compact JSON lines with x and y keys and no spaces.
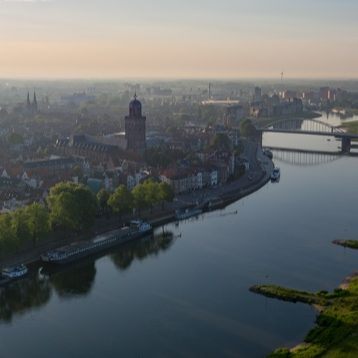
{"x":34,"y":103}
{"x":28,"y":104}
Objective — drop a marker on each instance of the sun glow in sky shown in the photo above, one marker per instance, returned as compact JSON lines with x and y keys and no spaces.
{"x":179,"y":38}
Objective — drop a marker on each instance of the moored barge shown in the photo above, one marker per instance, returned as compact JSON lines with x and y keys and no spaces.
{"x":80,"y":249}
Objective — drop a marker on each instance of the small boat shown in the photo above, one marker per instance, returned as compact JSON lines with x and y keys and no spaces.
{"x":275,"y":175}
{"x":12,"y":273}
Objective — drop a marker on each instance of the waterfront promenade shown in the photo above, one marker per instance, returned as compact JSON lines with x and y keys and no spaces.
{"x":257,"y":176}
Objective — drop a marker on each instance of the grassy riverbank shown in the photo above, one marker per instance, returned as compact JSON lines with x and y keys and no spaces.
{"x":351,"y":127}
{"x":336,"y":330}
{"x":352,"y":244}
{"x":291,"y":295}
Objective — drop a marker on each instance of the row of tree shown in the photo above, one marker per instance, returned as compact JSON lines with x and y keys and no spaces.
{"x":24,"y":225}
{"x":74,"y":207}
{"x":143,"y":196}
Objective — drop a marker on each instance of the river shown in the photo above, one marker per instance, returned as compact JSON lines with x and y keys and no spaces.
{"x":186,"y":294}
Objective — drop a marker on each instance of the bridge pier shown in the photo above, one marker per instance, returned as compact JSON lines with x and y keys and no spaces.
{"x":346,"y":145}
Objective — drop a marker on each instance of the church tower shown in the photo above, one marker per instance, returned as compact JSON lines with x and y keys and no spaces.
{"x":135,"y":127}
{"x":28,"y":103}
{"x":34,"y":104}
{"x":31,"y":108}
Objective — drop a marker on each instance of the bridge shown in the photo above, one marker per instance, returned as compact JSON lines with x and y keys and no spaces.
{"x":309,"y":127}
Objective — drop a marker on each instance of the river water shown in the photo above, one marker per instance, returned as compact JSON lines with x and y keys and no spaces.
{"x":186,"y":294}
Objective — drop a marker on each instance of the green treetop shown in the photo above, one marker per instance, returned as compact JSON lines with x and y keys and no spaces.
{"x":121,"y":201}
{"x":72,"y":206}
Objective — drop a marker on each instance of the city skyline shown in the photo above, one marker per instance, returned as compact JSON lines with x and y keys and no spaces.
{"x":180,"y":39}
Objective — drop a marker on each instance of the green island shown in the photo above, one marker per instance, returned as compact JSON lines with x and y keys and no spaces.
{"x":352,"y":244}
{"x":336,"y":330}
{"x":291,"y":295}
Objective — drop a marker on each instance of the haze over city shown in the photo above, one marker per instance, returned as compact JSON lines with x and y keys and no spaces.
{"x":178,"y":178}
{"x":178,"y":39}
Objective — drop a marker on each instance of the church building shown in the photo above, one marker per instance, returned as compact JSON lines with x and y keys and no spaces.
{"x":134,"y":125}
{"x":31,"y":108}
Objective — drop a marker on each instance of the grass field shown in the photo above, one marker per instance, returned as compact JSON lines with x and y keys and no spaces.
{"x":352,"y":244}
{"x":351,"y":127}
{"x":336,"y":331}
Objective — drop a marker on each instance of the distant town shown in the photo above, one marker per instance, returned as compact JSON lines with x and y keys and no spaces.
{"x":186,"y":134}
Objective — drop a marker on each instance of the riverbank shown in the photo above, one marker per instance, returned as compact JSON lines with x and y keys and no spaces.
{"x":223,"y":195}
{"x":291,"y":295}
{"x":352,"y":244}
{"x":350,"y":127}
{"x":336,"y":330}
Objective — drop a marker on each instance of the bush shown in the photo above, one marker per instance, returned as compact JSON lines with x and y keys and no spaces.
{"x":280,"y":353}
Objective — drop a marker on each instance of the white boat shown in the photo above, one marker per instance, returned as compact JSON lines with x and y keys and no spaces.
{"x":14,"y":272}
{"x":275,"y":175}
{"x":140,"y":226}
{"x":80,"y":249}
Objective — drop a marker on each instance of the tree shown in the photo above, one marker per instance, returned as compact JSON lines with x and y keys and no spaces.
{"x":23,"y":225}
{"x":152,"y":192}
{"x":72,"y":205}
{"x":38,"y":222}
{"x":102,"y":198}
{"x":247,"y":129}
{"x":20,"y":226}
{"x":121,"y":201}
{"x":7,"y":236}
{"x":166,"y":193}
{"x":139,"y":197}
{"x":221,"y":142}
{"x":63,"y":210}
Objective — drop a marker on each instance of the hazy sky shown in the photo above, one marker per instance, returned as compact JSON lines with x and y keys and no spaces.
{"x":179,"y":38}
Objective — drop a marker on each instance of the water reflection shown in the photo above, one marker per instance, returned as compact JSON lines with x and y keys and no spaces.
{"x":302,"y":158}
{"x":282,"y":234}
{"x":142,"y":249}
{"x":301,"y":142}
{"x":74,"y":280}
{"x":23,"y":295}
{"x":336,"y":119}
{"x":69,"y":281}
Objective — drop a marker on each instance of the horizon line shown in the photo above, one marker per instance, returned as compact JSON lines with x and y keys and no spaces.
{"x":172,"y":78}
